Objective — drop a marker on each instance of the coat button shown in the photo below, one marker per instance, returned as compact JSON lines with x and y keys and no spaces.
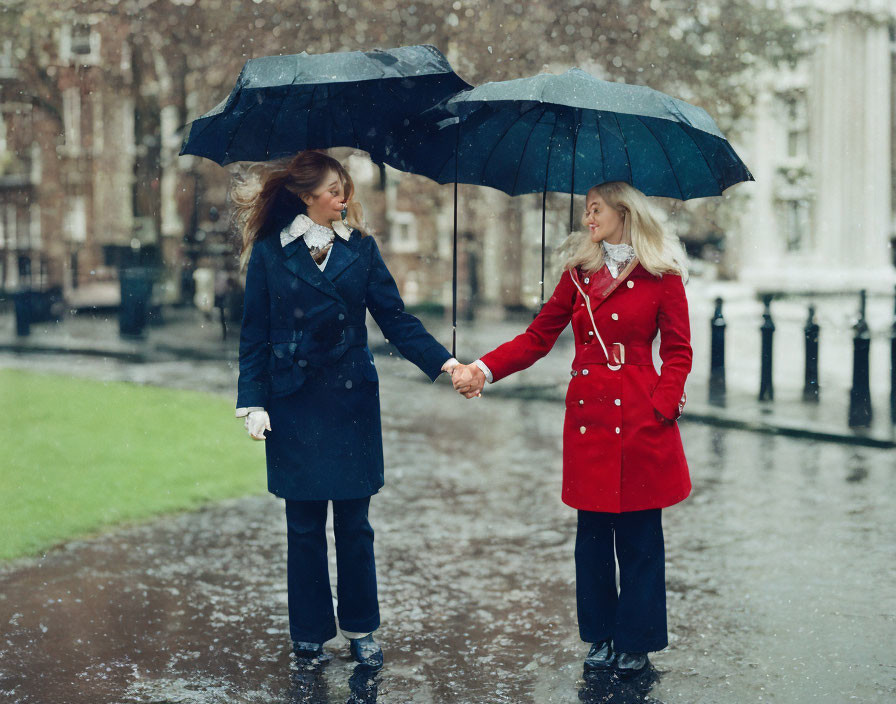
{"x":630,"y":284}
{"x":582,"y":430}
{"x":615,"y":316}
{"x":618,"y":430}
{"x":342,"y":316}
{"x":584,"y":372}
{"x":591,"y":333}
{"x":573,"y":372}
{"x":618,"y":402}
{"x":303,"y":363}
{"x":581,"y":402}
{"x":348,"y":385}
{"x":587,"y":280}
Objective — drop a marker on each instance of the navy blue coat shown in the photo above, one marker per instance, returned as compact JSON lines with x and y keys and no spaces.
{"x":304,"y":358}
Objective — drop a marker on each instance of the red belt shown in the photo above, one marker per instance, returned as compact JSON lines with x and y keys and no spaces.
{"x":620,"y":354}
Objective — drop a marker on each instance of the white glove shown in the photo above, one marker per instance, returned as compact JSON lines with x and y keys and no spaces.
{"x":256,"y":423}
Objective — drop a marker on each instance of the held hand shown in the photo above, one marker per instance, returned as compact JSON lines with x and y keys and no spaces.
{"x":468,"y":380}
{"x":256,"y":423}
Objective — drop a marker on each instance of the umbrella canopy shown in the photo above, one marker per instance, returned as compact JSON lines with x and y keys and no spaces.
{"x":567,"y":133}
{"x":282,"y":105}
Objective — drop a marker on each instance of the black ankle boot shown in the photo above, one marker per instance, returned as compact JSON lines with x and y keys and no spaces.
{"x":600,"y":656}
{"x":367,"y":652}
{"x":630,"y":665}
{"x":309,"y":652}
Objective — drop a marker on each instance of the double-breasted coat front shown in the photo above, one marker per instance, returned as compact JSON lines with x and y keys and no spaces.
{"x":622,"y":449}
{"x":304,"y":358}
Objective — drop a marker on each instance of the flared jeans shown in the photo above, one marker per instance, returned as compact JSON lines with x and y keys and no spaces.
{"x":311,"y":617}
{"x":635,"y":616}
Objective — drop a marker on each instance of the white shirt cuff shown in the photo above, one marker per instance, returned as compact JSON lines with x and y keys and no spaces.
{"x":243,"y":412}
{"x":451,"y":364}
{"x":485,"y":370}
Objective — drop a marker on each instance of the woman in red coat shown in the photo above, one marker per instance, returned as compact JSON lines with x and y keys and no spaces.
{"x":622,"y":456}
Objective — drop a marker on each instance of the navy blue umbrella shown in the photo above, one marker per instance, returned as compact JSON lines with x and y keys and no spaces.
{"x":282,"y":105}
{"x":567,"y":133}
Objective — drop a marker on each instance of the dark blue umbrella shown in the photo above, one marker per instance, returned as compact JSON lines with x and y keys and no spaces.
{"x":567,"y":133}
{"x":282,"y":105}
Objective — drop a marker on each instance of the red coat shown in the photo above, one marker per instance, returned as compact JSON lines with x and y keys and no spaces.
{"x":618,"y":453}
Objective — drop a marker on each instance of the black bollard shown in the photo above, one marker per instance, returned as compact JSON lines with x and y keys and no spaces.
{"x":893,"y":366}
{"x":136,"y":292}
{"x":717,"y":354}
{"x":22,"y":302}
{"x":860,"y":394}
{"x":811,"y":388}
{"x":766,"y":389}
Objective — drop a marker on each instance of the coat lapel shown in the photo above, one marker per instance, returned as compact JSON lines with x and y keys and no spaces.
{"x":604,"y":288}
{"x":297,"y":259}
{"x":342,"y":256}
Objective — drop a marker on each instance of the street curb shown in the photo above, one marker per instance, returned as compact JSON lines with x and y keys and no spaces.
{"x":157,"y":353}
{"x":696,"y":413}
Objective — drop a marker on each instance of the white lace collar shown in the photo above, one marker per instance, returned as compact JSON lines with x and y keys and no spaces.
{"x":618,"y":252}
{"x":617,"y":256}
{"x":315,"y":235}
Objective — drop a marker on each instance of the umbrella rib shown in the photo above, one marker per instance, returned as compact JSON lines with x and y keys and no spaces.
{"x":708,"y":165}
{"x":267,"y":146}
{"x":236,"y":131}
{"x":308,"y":118}
{"x":665,"y":153}
{"x":547,"y":166}
{"x":600,"y":141}
{"x":519,"y":164}
{"x":509,"y":127}
{"x":625,"y":147}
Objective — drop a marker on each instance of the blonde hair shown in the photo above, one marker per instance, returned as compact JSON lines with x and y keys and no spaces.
{"x":659,"y":251}
{"x":282,"y":182}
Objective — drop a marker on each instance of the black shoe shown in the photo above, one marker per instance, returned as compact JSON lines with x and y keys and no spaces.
{"x":630,"y":665}
{"x":367,"y":652}
{"x":309,"y":652}
{"x":600,"y":657}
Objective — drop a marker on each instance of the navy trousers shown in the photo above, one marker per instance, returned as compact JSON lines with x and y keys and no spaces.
{"x":635,"y":617}
{"x":311,"y":618}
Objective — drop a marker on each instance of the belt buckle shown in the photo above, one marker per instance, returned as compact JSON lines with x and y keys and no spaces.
{"x":617,"y":355}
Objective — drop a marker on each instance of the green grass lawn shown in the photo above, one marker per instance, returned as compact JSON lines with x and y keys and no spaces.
{"x":78,"y":456}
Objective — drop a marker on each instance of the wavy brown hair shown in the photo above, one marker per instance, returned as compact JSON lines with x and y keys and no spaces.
{"x":266,"y":184}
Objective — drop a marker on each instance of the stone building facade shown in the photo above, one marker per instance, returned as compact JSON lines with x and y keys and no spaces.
{"x":90,"y":180}
{"x":820,"y":216}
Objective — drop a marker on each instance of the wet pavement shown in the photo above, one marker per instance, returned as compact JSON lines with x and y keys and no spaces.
{"x":780,"y":574}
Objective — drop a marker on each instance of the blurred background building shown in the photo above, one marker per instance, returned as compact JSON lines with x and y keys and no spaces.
{"x":94,"y":97}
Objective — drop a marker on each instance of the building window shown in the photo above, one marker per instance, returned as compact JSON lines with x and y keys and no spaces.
{"x":794,"y":222}
{"x":796,"y":123}
{"x":404,"y":233}
{"x":79,"y":44}
{"x":81,"y":39}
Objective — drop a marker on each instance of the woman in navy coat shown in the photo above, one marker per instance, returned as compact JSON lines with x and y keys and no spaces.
{"x":308,"y":385}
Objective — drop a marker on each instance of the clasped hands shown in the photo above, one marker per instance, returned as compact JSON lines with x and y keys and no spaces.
{"x":468,"y":380}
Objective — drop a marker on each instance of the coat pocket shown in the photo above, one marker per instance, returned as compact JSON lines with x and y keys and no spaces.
{"x":282,"y":354}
